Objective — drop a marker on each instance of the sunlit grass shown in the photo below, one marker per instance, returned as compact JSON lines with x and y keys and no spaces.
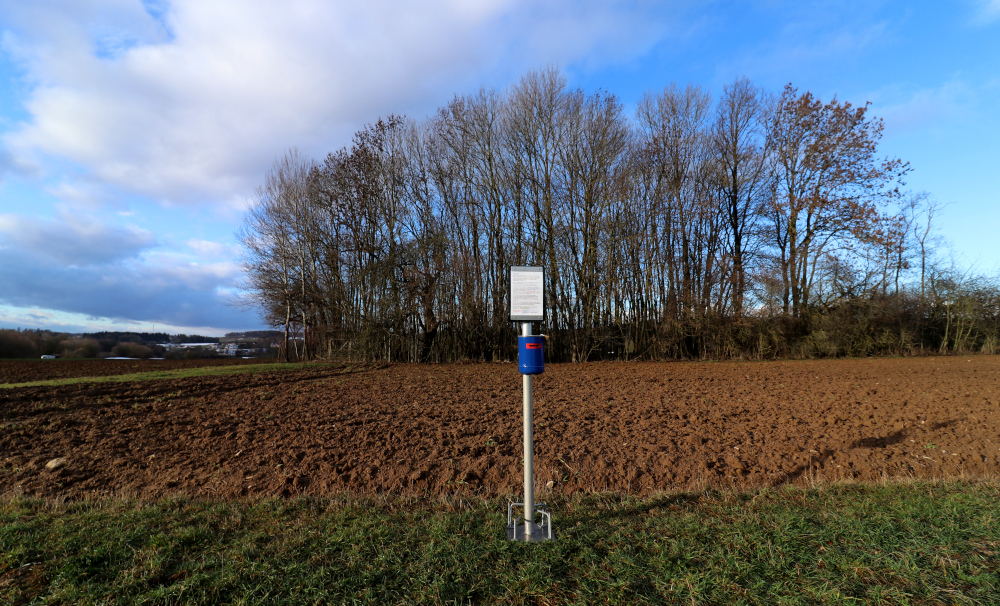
{"x":895,"y":543}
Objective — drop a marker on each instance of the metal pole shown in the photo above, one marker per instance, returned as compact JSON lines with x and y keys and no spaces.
{"x":529,"y":451}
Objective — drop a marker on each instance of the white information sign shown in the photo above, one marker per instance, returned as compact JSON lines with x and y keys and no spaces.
{"x":527,"y":294}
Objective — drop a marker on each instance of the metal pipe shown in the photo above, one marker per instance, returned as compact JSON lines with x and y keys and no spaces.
{"x":529,"y":450}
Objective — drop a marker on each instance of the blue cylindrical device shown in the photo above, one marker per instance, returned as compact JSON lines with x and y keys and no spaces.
{"x":531,"y":355}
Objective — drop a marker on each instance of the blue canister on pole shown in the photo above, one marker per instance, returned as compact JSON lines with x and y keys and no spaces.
{"x":531,"y":355}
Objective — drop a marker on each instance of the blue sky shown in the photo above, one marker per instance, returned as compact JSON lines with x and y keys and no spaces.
{"x":132,"y":133}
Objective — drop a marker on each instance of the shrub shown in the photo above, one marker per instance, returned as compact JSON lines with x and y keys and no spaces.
{"x":80,"y":348}
{"x":131,"y":350}
{"x":15,"y":344}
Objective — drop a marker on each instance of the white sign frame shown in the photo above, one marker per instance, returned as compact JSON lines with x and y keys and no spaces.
{"x":526,"y":293}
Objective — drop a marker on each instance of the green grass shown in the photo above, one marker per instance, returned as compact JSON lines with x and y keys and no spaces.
{"x":897,"y":543}
{"x":180,"y":373}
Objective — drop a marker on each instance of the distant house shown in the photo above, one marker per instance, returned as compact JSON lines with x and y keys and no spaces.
{"x":225,"y":349}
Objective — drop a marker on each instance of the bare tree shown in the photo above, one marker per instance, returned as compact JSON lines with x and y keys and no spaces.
{"x":743,"y":148}
{"x":275,"y":238}
{"x":535,"y":124}
{"x":830,"y":185}
{"x":685,"y":229}
{"x":594,"y":165}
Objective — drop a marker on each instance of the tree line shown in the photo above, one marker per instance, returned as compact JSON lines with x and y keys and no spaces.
{"x":32,"y":343}
{"x":756,"y":225}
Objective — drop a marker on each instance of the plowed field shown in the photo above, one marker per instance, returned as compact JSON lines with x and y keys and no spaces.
{"x":628,"y":427}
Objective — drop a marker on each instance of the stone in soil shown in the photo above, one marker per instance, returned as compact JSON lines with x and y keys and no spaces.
{"x":55,"y":464}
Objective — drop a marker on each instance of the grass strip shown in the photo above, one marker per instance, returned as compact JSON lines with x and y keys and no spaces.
{"x":894,"y":543}
{"x":180,"y":373}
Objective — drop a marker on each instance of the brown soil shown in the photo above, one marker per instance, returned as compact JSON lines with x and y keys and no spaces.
{"x":23,"y":371}
{"x":627,"y":427}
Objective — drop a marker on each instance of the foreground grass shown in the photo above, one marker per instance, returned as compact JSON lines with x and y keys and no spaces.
{"x":180,"y":373}
{"x":914,"y":543}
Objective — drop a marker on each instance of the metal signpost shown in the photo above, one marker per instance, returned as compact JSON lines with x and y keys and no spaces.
{"x":527,"y":304}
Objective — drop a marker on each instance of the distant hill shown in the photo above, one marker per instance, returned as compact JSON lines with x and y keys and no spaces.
{"x":128,"y":337}
{"x":148,"y":337}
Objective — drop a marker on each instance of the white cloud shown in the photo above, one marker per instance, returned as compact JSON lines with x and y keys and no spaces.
{"x":192,"y":100}
{"x":211,"y":250}
{"x":83,"y":193}
{"x":923,"y":108}
{"x":162,"y":291}
{"x":74,"y":239}
{"x":171,"y":269}
{"x":77,"y":264}
{"x":60,"y":321}
{"x":989,"y":11}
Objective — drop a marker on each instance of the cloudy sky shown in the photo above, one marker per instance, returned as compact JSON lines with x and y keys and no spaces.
{"x":132,"y":132}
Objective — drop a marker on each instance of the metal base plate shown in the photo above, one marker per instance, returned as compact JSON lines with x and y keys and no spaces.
{"x":539,"y":532}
